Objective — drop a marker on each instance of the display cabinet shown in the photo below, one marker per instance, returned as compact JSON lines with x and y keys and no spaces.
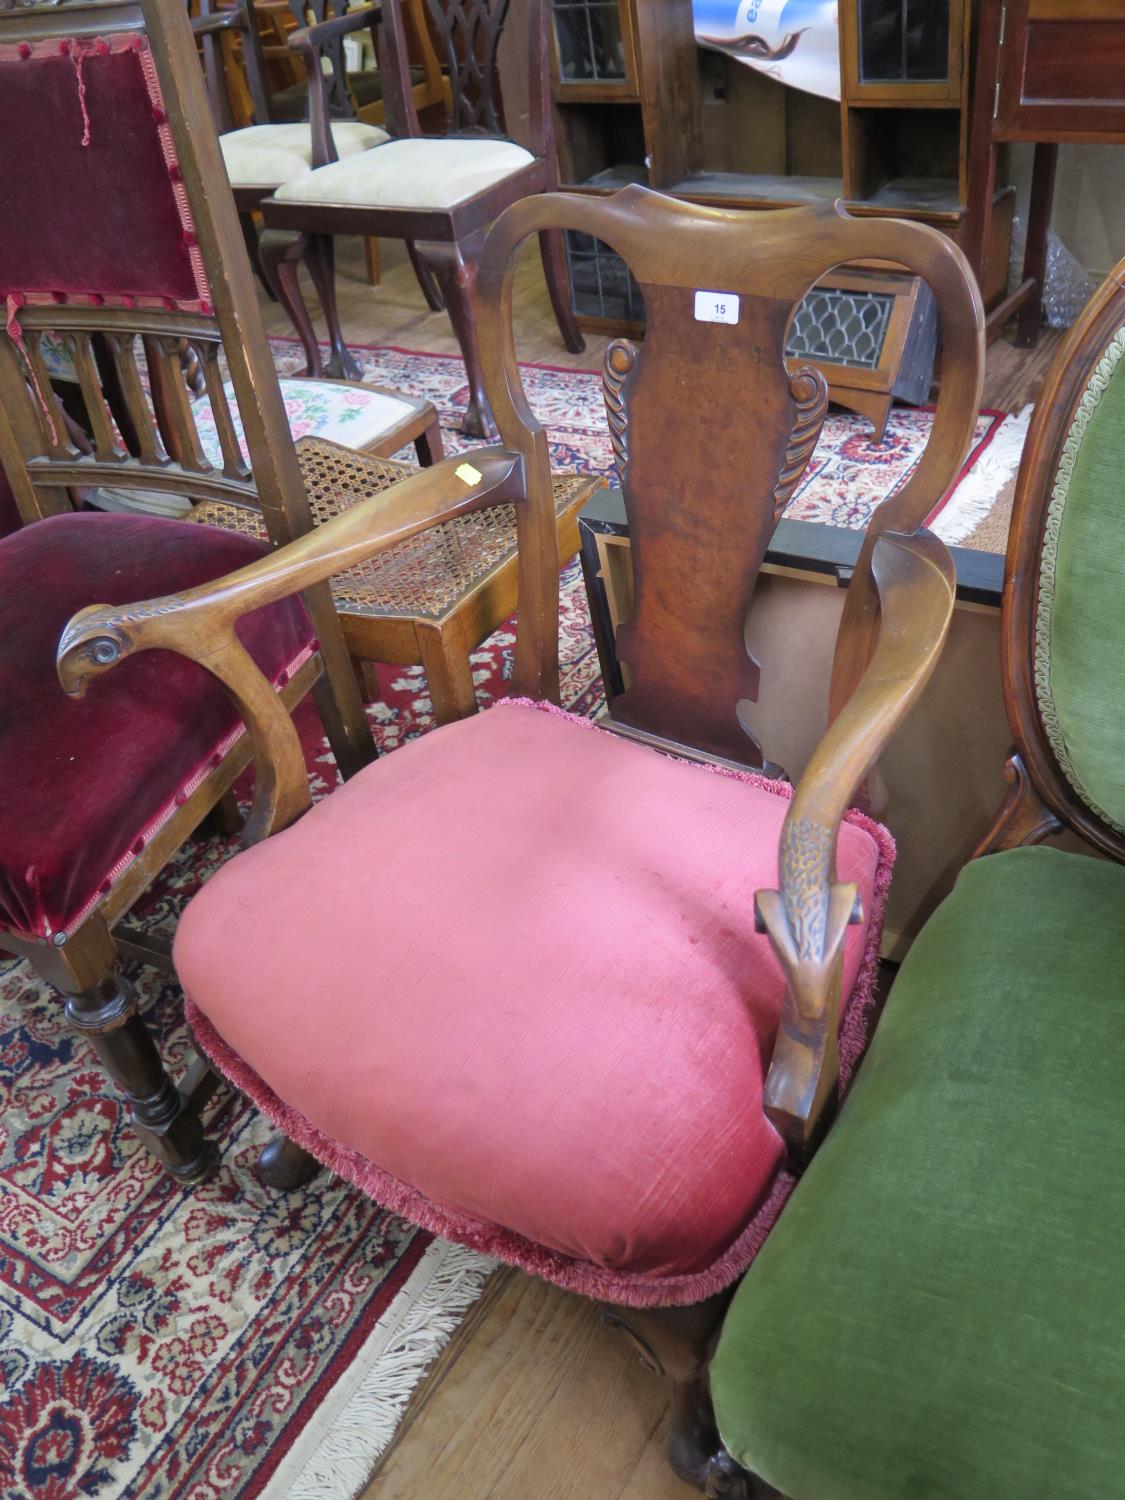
{"x":637,"y":100}
{"x":912,"y":49}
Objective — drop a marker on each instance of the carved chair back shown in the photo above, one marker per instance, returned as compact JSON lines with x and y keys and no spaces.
{"x":468,"y":33}
{"x":332,"y":58}
{"x":128,"y":243}
{"x":216,"y":30}
{"x":1064,"y":595}
{"x":711,"y":433}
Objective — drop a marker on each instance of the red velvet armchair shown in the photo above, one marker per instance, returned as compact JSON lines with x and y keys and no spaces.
{"x":575,"y":997}
{"x":126,"y":244}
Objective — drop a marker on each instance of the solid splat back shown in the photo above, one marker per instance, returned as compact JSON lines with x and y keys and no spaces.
{"x":712,"y":434}
{"x":712,"y":430}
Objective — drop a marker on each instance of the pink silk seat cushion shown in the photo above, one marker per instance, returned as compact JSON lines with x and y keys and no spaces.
{"x":84,"y":783}
{"x":507,"y":980}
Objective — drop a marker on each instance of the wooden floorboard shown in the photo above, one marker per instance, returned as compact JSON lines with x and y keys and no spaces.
{"x":534,"y":1399}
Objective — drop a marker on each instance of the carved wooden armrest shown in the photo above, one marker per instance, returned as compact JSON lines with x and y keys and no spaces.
{"x":808,"y":917}
{"x":223,"y":20}
{"x":200,"y":622}
{"x":309,"y":43}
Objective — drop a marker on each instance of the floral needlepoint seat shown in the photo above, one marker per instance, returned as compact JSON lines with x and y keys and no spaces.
{"x":355,"y":416}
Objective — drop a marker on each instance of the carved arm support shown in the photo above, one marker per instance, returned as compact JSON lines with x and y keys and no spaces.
{"x":807,"y":918}
{"x":309,"y":43}
{"x":200,"y":622}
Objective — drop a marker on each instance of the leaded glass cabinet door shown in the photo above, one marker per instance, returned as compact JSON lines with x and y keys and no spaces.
{"x":593,"y":53}
{"x":904,"y":51}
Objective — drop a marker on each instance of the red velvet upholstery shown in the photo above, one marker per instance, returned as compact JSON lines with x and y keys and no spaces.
{"x":104,"y":219}
{"x":10,"y":519}
{"x":83,"y":782}
{"x":507,"y":981}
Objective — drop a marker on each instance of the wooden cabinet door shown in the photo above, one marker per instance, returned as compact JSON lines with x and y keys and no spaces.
{"x":1062,"y":70}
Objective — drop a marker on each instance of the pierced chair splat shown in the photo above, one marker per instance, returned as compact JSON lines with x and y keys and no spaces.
{"x":622,"y":1072}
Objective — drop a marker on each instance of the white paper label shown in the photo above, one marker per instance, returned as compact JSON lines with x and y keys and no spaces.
{"x":716,"y":307}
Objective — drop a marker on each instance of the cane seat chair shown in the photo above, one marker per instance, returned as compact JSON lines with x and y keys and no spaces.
{"x":127,"y":245}
{"x":434,"y":599}
{"x":439,"y":192}
{"x":931,"y":1315}
{"x":508,"y":980}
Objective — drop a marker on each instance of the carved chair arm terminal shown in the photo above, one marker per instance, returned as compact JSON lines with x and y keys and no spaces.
{"x":200,"y":623}
{"x":807,"y":918}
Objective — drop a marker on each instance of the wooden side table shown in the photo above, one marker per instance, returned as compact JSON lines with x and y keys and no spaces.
{"x":1048,"y":71}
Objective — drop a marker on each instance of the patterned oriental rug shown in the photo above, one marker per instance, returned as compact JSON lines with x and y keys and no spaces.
{"x":232,"y":1342}
{"x":847,"y":477}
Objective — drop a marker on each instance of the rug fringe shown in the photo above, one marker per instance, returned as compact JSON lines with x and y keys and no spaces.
{"x":980,"y":489}
{"x":336,"y":1454}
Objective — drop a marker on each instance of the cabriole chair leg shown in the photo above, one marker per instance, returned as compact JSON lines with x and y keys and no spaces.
{"x":455,"y":264}
{"x":281,"y":252}
{"x":321,"y":257}
{"x":677,"y":1342}
{"x":727,"y":1480}
{"x":284,"y":1165}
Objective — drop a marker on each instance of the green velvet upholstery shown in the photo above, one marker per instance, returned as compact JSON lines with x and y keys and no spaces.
{"x":937,"y":1314}
{"x":1080,"y":625}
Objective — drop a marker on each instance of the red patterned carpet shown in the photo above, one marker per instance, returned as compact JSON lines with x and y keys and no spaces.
{"x":847,"y":477}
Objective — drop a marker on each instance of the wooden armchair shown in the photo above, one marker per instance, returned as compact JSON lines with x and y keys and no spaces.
{"x":507,"y":980}
{"x":364,"y":89}
{"x":98,"y":797}
{"x":930,"y":1316}
{"x":439,"y":193}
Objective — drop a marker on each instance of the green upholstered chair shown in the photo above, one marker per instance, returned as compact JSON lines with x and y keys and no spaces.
{"x":937,"y":1312}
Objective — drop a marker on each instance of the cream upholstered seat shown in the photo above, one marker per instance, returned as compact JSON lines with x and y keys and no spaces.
{"x":268,"y":155}
{"x":419,"y":172}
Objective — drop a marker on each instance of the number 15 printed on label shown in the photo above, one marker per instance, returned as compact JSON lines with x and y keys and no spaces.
{"x":716,"y":307}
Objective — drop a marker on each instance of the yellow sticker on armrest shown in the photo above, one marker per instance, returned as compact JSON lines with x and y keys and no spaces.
{"x":468,"y":474}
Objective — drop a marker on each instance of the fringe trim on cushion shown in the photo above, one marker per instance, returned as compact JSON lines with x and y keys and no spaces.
{"x":336,"y":1452}
{"x":627,"y":1289}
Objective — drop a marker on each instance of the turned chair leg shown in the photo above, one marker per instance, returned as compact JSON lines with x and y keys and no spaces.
{"x":167,"y":1125}
{"x":455,"y":265}
{"x":552,"y":251}
{"x":281,"y":252}
{"x":283,"y":1165}
{"x":428,"y":445}
{"x":321,"y":258}
{"x":677,"y":1342}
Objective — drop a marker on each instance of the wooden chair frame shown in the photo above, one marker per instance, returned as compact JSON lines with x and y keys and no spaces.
{"x":1039,"y":802}
{"x":898,"y":609}
{"x":447,"y":241}
{"x":42,"y":465}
